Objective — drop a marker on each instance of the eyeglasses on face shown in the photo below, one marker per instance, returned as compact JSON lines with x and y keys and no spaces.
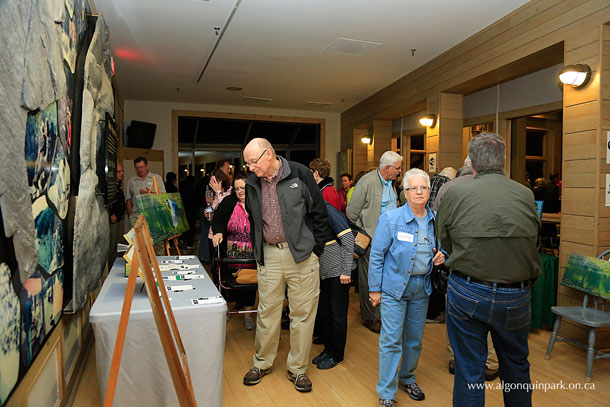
{"x":399,"y":168}
{"x":255,"y":162}
{"x":419,"y":189}
{"x":240,"y":188}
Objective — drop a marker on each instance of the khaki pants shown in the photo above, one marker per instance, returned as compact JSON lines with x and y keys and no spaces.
{"x":303,"y":282}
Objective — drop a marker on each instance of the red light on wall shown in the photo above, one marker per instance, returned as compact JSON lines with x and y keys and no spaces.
{"x":129,"y":54}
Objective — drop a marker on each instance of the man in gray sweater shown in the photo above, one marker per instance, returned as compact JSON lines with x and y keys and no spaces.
{"x":373,"y":195}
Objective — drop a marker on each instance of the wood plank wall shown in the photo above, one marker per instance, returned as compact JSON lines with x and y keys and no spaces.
{"x":583,"y":188}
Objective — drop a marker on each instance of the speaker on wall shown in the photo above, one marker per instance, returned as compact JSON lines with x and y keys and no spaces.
{"x":141,"y":134}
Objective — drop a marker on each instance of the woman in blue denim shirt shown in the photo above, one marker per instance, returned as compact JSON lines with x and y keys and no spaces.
{"x":402,"y":256}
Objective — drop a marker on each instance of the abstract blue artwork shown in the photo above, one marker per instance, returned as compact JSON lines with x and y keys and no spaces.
{"x":40,"y":140}
{"x":49,"y":237}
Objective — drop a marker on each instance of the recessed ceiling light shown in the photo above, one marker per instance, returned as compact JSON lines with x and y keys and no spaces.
{"x":234,"y":88}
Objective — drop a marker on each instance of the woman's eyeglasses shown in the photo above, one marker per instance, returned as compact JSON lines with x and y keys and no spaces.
{"x":419,"y":189}
{"x":240,"y":188}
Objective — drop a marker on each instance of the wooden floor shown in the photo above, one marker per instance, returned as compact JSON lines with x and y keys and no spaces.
{"x":352,"y":383}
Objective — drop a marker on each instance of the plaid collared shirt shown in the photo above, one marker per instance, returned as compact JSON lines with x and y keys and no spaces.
{"x":436,"y":182}
{"x":273,"y":229}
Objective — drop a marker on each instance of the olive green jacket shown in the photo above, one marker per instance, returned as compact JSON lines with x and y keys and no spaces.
{"x":489,"y":228}
{"x":365,"y":204}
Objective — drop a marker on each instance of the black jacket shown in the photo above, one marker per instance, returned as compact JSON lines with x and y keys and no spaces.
{"x":303,"y":211}
{"x":222,"y":215}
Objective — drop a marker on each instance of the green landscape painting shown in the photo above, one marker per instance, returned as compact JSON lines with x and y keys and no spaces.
{"x":588,"y":274}
{"x":164,"y":214}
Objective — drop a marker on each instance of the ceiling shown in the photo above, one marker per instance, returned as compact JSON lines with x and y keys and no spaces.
{"x":272,"y":48}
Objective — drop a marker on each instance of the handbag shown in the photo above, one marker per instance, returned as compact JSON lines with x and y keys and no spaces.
{"x":246,"y":276}
{"x":440,"y":274}
{"x":362,"y":240}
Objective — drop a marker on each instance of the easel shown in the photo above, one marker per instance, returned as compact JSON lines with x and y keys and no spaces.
{"x":144,"y":264}
{"x":155,"y":187}
{"x":168,"y":248}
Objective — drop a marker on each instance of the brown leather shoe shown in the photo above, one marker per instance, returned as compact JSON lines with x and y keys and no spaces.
{"x":255,"y":375}
{"x":373,"y":325}
{"x":301,"y":381}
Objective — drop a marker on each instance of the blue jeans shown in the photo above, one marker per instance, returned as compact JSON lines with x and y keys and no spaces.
{"x":402,"y":329}
{"x":473,"y":310}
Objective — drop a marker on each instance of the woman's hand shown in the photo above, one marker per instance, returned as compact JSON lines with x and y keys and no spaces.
{"x":439,"y":257}
{"x":345,"y":279}
{"x":217,"y":239}
{"x":215,"y":185}
{"x":375,"y":298}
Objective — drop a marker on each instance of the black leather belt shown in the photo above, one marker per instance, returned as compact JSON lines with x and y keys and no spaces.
{"x":522,"y":284}
{"x":280,"y":245}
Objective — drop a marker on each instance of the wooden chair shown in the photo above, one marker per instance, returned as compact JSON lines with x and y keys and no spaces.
{"x":592,"y":277}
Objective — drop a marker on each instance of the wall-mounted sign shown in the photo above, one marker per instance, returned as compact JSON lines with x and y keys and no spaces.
{"x":432,"y":162}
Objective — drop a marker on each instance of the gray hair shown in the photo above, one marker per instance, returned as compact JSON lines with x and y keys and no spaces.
{"x":414,"y":172}
{"x":448,"y":172}
{"x":487,"y":152}
{"x":467,"y":162}
{"x":389,"y":158}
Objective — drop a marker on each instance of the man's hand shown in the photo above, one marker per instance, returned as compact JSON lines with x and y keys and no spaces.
{"x":375,"y":298}
{"x":113,"y":218}
{"x":345,"y":279}
{"x":439,"y":257}
{"x":217,"y":239}
{"x":144,"y":191}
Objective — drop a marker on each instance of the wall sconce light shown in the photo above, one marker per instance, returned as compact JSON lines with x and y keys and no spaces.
{"x":576,"y":75}
{"x":367,"y":140}
{"x":428,"y":120}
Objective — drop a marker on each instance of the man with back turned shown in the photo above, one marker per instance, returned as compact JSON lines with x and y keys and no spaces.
{"x":488,"y":226}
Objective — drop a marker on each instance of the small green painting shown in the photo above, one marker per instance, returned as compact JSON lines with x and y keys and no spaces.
{"x":588,"y":274}
{"x":164,"y":214}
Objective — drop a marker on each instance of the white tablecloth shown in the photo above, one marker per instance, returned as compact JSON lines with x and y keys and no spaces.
{"x":144,"y":377}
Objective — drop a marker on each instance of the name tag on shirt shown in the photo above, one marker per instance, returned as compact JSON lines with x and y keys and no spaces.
{"x":405,"y":237}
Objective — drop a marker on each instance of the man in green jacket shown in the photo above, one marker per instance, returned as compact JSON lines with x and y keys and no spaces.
{"x":489,"y":227}
{"x":373,"y":195}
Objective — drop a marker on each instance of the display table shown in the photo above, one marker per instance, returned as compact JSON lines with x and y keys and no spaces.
{"x":144,"y":377}
{"x":544,"y":293}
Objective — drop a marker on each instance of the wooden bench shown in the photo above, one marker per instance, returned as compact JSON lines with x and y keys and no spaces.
{"x":592,"y":277}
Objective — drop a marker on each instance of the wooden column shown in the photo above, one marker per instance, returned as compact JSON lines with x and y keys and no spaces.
{"x":359,"y":153}
{"x":585,"y":220}
{"x":445,"y":138}
{"x":517,"y":149}
{"x":382,"y":141}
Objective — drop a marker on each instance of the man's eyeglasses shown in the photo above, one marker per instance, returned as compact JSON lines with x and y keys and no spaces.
{"x":399,"y":168}
{"x":253,"y":163}
{"x":419,"y":189}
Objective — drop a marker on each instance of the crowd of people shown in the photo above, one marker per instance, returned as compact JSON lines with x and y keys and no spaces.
{"x":299,"y":229}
